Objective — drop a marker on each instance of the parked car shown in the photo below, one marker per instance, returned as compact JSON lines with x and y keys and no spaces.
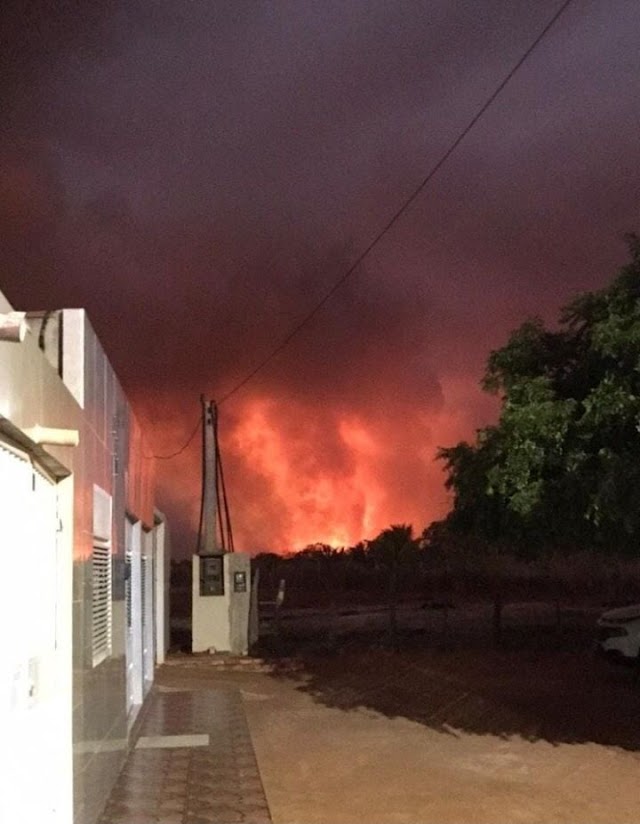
{"x":619,"y":634}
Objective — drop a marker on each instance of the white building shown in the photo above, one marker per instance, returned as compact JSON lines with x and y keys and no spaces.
{"x":84,"y":589}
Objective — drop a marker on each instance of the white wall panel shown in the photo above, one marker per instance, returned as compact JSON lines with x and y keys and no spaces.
{"x":34,"y":694}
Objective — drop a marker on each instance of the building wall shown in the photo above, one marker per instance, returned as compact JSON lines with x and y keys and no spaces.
{"x":100,"y":718}
{"x":112,"y":457}
{"x":73,"y":385}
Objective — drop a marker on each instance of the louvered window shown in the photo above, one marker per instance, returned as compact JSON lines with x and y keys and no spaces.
{"x":101,"y":576}
{"x":143,"y":590}
{"x":101,"y":625}
{"x":128,"y":591}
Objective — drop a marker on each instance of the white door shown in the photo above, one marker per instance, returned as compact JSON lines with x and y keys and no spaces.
{"x":35,"y":780}
{"x":148,"y":656}
{"x":128,"y":597}
{"x":133,"y":593}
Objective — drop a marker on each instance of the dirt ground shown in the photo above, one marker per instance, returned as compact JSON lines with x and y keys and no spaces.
{"x":536,"y":731}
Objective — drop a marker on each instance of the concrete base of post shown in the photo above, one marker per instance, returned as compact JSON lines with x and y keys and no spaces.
{"x":220,"y":623}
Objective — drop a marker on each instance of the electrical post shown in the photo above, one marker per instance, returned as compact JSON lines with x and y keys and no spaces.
{"x":221,"y":588}
{"x":209,"y":544}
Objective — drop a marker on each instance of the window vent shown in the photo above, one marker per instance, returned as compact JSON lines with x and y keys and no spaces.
{"x":128,"y":591}
{"x":101,"y":612}
{"x":143,"y":588}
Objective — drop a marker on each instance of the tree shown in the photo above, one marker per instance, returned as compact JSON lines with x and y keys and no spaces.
{"x":391,"y":548}
{"x":561,"y":467}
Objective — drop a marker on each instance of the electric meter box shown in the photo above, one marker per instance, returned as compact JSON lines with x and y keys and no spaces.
{"x":212,"y":575}
{"x":221,"y":602}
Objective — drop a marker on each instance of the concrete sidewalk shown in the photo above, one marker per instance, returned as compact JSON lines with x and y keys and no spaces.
{"x":322,"y":765}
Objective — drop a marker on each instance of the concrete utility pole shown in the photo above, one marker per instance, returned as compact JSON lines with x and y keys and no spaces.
{"x":209,"y":541}
{"x":221,"y":586}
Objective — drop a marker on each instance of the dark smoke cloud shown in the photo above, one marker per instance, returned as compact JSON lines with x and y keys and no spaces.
{"x":198,"y":175}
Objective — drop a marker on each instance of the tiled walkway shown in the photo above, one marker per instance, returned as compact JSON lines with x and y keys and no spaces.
{"x":193,"y":764}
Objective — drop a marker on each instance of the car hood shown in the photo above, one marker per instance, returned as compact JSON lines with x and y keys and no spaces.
{"x":622,"y":614}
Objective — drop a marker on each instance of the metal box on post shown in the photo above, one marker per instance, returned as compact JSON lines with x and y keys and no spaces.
{"x":211,"y":575}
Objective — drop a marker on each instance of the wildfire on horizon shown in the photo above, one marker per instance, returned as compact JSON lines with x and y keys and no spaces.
{"x":297,"y":478}
{"x":336,"y":507}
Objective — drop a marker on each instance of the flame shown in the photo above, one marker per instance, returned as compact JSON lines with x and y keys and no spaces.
{"x":335,"y":508}
{"x":299,"y":475}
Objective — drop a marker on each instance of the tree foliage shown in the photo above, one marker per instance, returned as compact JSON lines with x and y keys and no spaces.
{"x":561,"y":468}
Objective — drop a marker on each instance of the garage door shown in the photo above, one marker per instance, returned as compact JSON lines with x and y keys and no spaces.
{"x":35,"y":774}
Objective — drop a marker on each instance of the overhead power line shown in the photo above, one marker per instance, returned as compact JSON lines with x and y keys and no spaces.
{"x":387,"y":226}
{"x":403,"y":208}
{"x":175,"y":454}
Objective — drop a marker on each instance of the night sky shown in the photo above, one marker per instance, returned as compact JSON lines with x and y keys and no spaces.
{"x":198,"y":174}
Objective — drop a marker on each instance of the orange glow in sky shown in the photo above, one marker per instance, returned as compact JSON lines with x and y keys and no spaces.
{"x":296,"y":476}
{"x":326,"y":507}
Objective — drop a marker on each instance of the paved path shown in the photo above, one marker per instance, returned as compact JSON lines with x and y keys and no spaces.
{"x":193,"y":764}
